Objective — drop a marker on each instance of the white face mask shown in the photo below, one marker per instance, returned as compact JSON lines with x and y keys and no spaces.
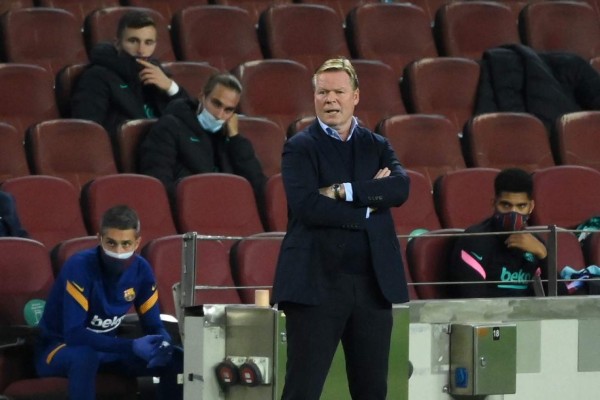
{"x":118,"y":256}
{"x":209,"y":122}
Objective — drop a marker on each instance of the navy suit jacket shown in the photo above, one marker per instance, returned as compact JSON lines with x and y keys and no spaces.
{"x":312,"y":249}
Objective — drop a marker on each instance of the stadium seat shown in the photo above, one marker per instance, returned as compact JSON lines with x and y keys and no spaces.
{"x":253,"y":263}
{"x":198,"y":35}
{"x":592,"y":250}
{"x":267,"y":88}
{"x":577,"y":137}
{"x":468,"y":28}
{"x":74,"y":149}
{"x":65,"y":249}
{"x":79,"y":9}
{"x":276,"y":204}
{"x":504,"y":140}
{"x":101,"y":26}
{"x":428,"y":257}
{"x":229,"y":210}
{"x":166,"y":8}
{"x":565,"y":195}
{"x":395,"y":34}
{"x":465,"y":197}
{"x":143,"y":193}
{"x":65,"y":83}
{"x":418,"y":212}
{"x":212,"y":268}
{"x":561,"y":26}
{"x":253,"y":7}
{"x":442,"y":85}
{"x":568,"y":249}
{"x":379,"y":92}
{"x":425,"y":143}
{"x":267,"y":139}
{"x":129,"y":136}
{"x":190,"y":75}
{"x":306,"y":33}
{"x":27,"y":95}
{"x":341,"y":7}
{"x":48,"y":208}
{"x":27,"y":276}
{"x":48,"y":37}
{"x":13,"y":162}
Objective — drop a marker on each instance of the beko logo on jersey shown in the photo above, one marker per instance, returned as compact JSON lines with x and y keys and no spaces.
{"x":105,"y":325}
{"x":514,"y":280}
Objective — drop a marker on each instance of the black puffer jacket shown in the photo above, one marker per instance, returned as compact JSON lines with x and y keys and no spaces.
{"x":516,"y":78}
{"x":177,"y":146}
{"x":110,"y":92}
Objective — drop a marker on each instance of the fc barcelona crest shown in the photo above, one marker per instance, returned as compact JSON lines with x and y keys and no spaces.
{"x":129,"y":294}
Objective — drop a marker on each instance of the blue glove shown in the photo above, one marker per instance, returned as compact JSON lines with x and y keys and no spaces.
{"x":146,"y":346}
{"x":161,"y":356}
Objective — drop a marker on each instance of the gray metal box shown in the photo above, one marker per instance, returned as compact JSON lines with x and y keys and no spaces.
{"x":483,"y":359}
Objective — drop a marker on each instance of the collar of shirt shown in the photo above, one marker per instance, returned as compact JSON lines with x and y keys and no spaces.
{"x":333,"y":133}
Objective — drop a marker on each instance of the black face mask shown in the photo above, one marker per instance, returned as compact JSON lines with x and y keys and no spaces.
{"x":115,"y":266}
{"x":510,"y":221}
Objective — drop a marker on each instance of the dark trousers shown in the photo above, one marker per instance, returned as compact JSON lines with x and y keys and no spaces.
{"x":353,"y":311}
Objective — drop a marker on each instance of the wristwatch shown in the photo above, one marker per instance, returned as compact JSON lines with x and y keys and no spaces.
{"x":336,"y":191}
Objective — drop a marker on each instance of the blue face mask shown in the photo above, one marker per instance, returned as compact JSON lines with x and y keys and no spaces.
{"x":209,"y":122}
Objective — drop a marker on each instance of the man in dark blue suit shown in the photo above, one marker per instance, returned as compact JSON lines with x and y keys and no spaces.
{"x":340,"y":267}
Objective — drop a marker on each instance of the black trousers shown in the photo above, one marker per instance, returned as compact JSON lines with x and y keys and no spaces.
{"x":353,"y":311}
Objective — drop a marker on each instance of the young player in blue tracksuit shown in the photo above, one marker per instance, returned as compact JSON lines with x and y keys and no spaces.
{"x":91,"y":295}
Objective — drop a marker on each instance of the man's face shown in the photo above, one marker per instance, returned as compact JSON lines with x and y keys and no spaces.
{"x":335,"y":99}
{"x":221,"y":102}
{"x":509,"y":201}
{"x":139,"y":43}
{"x":119,"y":240}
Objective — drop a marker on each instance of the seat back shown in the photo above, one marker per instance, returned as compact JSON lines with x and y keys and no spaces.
{"x":379,"y":92}
{"x":229,"y":210}
{"x":13,"y":162}
{"x":212,"y":268}
{"x":267,"y":139}
{"x":561,"y":26}
{"x":199,"y":36}
{"x":468,"y":28}
{"x":48,"y":37}
{"x":428,"y":259}
{"x":101,"y":26}
{"x":504,"y":140}
{"x":267,"y":84}
{"x":276,"y":204}
{"x":565,"y":195}
{"x":465,"y":197}
{"x":443,"y":85}
{"x":74,"y":149}
{"x":48,"y":208}
{"x":166,"y":8}
{"x":418,"y":212}
{"x":578,"y":135}
{"x":341,"y":7}
{"x":27,"y":95}
{"x":253,"y":7}
{"x":395,"y":34}
{"x":129,"y":136}
{"x":79,"y":9}
{"x":65,"y":249}
{"x":306,"y":33}
{"x":65,"y":83}
{"x":425,"y":143}
{"x":135,"y":191}
{"x":253,"y":262}
{"x":191,"y":75}
{"x":26,"y":275}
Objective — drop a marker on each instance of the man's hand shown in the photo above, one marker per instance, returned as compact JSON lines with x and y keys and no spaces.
{"x":527,"y":242}
{"x":382,"y":173}
{"x":232,"y":125}
{"x":152,"y":75}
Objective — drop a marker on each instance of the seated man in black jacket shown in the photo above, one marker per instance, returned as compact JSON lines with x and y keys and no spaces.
{"x":511,"y":259}
{"x":200,"y":136}
{"x":122,"y":81}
